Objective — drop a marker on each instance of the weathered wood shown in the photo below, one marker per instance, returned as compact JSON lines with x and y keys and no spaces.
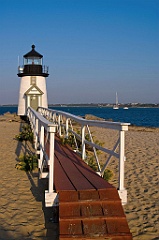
{"x":61,"y":181}
{"x":78,"y":180}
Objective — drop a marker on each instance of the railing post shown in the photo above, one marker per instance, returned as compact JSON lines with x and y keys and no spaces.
{"x":83,"y":141}
{"x":67,"y":127}
{"x":32,"y":121}
{"x":41,"y":147}
{"x":54,"y":117}
{"x":51,"y":197}
{"x":121,"y":160}
{"x":121,"y":190}
{"x":51,"y":130}
{"x":47,"y":114}
{"x":36,"y":133}
{"x":59,"y":124}
{"x":33,"y":125}
{"x":50,"y":116}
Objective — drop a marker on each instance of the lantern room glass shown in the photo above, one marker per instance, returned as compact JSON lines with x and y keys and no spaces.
{"x":32,"y":61}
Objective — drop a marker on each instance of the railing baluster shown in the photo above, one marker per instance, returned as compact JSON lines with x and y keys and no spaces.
{"x":83,"y":142}
{"x":59,"y":124}
{"x":110,"y":156}
{"x":41,"y":147}
{"x":54,"y":117}
{"x":121,"y":160}
{"x":94,"y":149}
{"x":52,"y":131}
{"x":67,"y":127}
{"x":73,"y":134}
{"x":36,"y":133}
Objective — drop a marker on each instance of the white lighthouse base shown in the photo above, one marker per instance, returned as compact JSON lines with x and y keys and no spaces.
{"x":28,"y":92}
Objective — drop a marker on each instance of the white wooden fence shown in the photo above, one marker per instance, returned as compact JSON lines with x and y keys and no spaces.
{"x":64,"y":121}
{"x":44,"y":133}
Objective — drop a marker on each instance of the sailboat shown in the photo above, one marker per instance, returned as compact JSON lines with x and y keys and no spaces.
{"x":116,"y":106}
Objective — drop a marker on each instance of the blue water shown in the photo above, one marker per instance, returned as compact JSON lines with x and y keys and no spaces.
{"x":5,"y":109}
{"x":147,"y":117}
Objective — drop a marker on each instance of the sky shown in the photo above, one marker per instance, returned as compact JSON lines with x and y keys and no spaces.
{"x":94,"y":48}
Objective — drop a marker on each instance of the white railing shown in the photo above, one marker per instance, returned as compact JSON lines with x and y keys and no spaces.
{"x":64,"y":121}
{"x":44,"y":133}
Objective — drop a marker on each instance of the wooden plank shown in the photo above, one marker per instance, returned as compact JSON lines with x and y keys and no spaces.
{"x":116,"y":225}
{"x":79,"y":181}
{"x":97,"y":181}
{"x":61,"y":180}
{"x":68,"y":196}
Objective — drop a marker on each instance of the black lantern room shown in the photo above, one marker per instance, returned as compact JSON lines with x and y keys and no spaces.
{"x":33,"y":65}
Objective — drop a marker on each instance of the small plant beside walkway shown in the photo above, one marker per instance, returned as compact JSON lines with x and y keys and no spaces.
{"x":28,"y":161}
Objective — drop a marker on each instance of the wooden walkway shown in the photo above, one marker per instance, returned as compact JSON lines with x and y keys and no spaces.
{"x":89,"y":207}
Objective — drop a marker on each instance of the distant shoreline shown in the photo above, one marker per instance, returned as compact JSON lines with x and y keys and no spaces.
{"x":107,"y":105}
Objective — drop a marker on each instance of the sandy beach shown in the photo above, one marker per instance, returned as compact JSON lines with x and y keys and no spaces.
{"x":142,"y":183}
{"x":22,"y":211}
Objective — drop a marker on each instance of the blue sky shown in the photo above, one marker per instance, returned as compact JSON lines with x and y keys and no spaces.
{"x":93,"y":48}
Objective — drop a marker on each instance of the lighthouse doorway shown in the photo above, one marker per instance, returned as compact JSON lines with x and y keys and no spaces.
{"x":34,"y":101}
{"x":33,"y":97}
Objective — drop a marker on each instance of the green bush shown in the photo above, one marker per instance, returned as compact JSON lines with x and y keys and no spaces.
{"x":108,"y":174}
{"x":70,"y":140}
{"x":27,"y":162}
{"x":26,"y":134}
{"x":92,"y":163}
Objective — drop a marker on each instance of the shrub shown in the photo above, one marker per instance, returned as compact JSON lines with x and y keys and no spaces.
{"x":26,"y":134}
{"x":70,"y":140}
{"x":108,"y":174}
{"x":27,"y":162}
{"x":92,"y":163}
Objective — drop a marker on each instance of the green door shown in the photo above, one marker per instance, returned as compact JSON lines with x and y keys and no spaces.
{"x":34,"y":102}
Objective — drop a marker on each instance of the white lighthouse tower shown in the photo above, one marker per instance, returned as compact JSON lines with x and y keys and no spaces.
{"x":33,"y":75}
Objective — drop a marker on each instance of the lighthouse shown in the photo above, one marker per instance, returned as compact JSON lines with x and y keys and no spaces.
{"x":33,"y":73}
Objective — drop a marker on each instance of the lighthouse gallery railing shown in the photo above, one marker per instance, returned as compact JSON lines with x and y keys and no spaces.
{"x":63,"y":121}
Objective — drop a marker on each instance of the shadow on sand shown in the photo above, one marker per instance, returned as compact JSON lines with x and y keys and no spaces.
{"x":38,"y":187}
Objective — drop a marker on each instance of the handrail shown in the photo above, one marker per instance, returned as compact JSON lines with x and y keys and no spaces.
{"x":58,"y":117}
{"x":104,"y":124}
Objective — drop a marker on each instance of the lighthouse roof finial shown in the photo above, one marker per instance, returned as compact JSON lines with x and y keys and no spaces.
{"x":33,"y":46}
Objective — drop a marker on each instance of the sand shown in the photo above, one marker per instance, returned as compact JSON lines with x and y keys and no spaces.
{"x":22,"y":211}
{"x":142,"y":183}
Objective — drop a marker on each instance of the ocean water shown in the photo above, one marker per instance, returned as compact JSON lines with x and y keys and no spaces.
{"x":146,"y":117}
{"x":5,"y":109}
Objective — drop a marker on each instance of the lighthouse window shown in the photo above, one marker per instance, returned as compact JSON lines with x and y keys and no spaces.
{"x":30,"y":61}
{"x":33,"y":80}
